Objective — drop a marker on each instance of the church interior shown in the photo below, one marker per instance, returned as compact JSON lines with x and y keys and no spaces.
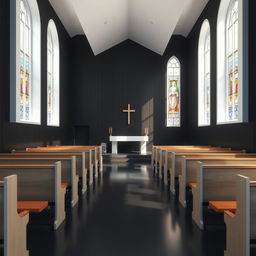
{"x":128,"y":127}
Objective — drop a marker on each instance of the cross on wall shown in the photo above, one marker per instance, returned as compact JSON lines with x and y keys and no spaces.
{"x":129,"y":111}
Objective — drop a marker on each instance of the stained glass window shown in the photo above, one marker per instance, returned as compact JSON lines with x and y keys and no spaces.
{"x":25,"y":62}
{"x":173,"y":93}
{"x":50,"y":57}
{"x":52,"y":75}
{"x":232,"y":62}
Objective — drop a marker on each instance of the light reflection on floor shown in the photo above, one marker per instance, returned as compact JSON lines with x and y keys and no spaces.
{"x":127,"y":213}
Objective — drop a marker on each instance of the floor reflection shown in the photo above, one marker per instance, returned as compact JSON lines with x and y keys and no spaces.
{"x":127,"y":212}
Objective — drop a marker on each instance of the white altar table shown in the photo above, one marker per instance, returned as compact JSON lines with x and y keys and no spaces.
{"x":142,"y":139}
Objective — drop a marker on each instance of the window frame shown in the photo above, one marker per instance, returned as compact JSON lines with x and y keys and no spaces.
{"x":166,"y":92}
{"x":53,"y":33}
{"x":205,"y":33}
{"x":243,"y":76}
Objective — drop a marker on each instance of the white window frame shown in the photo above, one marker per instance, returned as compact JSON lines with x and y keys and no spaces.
{"x":222,"y":72}
{"x":15,"y":62}
{"x":204,"y":34}
{"x":53,"y":33}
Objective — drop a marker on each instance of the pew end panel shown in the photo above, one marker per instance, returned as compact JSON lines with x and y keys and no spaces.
{"x":183,"y":182}
{"x":60,"y":192}
{"x":238,"y":224}
{"x":14,"y":224}
{"x":197,"y":191}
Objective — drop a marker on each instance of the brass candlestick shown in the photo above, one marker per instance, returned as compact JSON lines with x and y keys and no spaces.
{"x":110,"y":130}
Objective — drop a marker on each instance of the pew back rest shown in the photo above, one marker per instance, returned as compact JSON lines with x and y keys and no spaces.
{"x":191,"y":163}
{"x":35,"y":182}
{"x":66,"y":164}
{"x":79,"y":157}
{"x":218,"y":183}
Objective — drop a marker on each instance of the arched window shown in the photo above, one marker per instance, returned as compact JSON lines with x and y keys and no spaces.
{"x":53,"y":70}
{"x":232,"y":57}
{"x":204,"y":75}
{"x":25,"y":61}
{"x":173,"y":93}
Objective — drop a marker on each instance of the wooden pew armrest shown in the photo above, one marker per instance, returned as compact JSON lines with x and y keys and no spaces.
{"x":23,"y":213}
{"x":230,"y":214}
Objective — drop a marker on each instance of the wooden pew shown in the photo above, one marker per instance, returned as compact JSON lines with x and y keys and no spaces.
{"x":216,"y":183}
{"x":88,"y":155}
{"x":156,"y":152}
{"x":13,"y":227}
{"x":172,"y":166}
{"x":68,"y":169}
{"x":80,"y":161}
{"x":98,"y":154}
{"x":189,"y":165}
{"x":39,"y":183}
{"x":241,"y":226}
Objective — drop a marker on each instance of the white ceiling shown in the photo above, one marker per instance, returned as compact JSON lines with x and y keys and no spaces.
{"x":107,"y":23}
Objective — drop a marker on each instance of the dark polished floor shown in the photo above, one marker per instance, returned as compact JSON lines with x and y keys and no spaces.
{"x":127,"y":214}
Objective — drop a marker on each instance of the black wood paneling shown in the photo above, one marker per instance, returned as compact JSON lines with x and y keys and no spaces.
{"x":103,"y":85}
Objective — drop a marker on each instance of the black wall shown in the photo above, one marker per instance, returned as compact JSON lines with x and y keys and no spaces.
{"x":103,"y":85}
{"x":235,"y":135}
{"x":21,"y":135}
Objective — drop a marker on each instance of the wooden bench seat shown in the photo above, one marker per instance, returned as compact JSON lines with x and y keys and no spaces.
{"x":216,"y":183}
{"x":68,"y":168}
{"x":32,"y":206}
{"x":222,"y":206}
{"x":39,"y":183}
{"x":192,"y":185}
{"x":64,"y":185}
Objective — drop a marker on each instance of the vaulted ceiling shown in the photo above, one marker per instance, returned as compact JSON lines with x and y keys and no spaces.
{"x":107,"y":23}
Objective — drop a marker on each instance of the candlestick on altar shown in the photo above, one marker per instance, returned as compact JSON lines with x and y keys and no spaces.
{"x":110,"y":131}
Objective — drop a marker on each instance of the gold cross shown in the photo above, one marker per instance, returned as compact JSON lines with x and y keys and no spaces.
{"x":129,"y":111}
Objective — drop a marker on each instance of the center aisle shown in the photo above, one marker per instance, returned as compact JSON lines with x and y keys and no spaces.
{"x":127,"y":214}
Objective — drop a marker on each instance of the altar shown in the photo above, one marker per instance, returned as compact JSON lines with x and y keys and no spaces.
{"x":142,"y":139}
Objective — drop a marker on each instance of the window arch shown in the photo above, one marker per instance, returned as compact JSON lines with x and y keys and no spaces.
{"x":232,"y":58}
{"x":204,"y":75}
{"x":53,"y":74}
{"x":25,"y":62}
{"x":173,"y":93}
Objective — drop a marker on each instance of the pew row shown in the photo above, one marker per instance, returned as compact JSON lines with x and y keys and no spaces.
{"x":13,"y":224}
{"x":89,"y":156}
{"x":216,"y":183}
{"x":68,"y":170}
{"x":39,"y":183}
{"x":189,"y":165}
{"x":172,"y":166}
{"x":156,"y":152}
{"x":81,"y":170}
